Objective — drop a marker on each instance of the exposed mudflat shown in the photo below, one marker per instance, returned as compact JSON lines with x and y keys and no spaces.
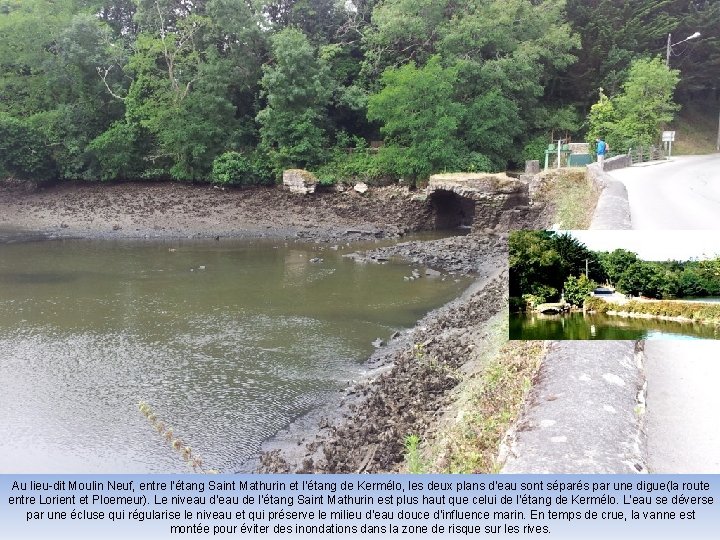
{"x":157,"y":210}
{"x":409,"y":381}
{"x":475,"y":253}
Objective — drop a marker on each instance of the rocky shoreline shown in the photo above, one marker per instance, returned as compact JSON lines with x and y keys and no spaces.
{"x":409,"y":382}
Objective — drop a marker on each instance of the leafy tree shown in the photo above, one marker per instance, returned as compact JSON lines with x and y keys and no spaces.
{"x":296,"y":89}
{"x":577,"y":289}
{"x":419,"y":118}
{"x":24,"y":151}
{"x":636,"y":116}
{"x":577,"y":257}
{"x":504,"y":53}
{"x":615,"y":32}
{"x":616,"y":262}
{"x":534,"y":262}
{"x":643,"y":278}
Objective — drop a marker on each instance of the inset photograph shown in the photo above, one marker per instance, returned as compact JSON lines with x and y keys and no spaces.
{"x":616,"y":285}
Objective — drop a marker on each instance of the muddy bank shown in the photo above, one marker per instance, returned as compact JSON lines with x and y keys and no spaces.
{"x":476,"y":254}
{"x":410,"y":382}
{"x":164,"y":210}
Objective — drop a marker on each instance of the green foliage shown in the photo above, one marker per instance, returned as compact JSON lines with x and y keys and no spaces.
{"x":542,"y":263}
{"x":616,"y":262}
{"x":577,"y":289}
{"x":24,"y":151}
{"x":117,"y":153}
{"x":695,"y":311}
{"x":635,"y":116}
{"x":413,"y":460}
{"x":235,"y":168}
{"x":419,"y":118}
{"x":296,"y":89}
{"x":594,"y":304}
{"x":533,"y":262}
{"x":161,"y":88}
{"x":615,"y":33}
{"x":642,"y":278}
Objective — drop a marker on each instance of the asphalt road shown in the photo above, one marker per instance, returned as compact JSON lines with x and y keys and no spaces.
{"x":682,"y":406}
{"x":681,"y":194}
{"x":683,"y":400}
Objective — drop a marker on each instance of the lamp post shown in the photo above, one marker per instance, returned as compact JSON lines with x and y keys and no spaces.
{"x":670,"y":45}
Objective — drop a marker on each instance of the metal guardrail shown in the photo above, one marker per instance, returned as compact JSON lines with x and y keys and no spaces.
{"x":646,"y":153}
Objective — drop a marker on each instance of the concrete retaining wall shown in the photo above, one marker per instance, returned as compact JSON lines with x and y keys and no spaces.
{"x":613,"y":208}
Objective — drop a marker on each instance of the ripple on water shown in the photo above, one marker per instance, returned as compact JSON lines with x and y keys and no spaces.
{"x":227,"y":356}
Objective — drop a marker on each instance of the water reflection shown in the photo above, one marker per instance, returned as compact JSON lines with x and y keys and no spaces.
{"x":579,"y":326}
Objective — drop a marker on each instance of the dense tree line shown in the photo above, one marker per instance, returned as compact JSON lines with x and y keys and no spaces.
{"x":545,"y":264}
{"x":236,"y":90}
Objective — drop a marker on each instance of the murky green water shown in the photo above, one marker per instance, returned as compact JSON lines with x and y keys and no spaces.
{"x":227,"y":355}
{"x":579,"y":326}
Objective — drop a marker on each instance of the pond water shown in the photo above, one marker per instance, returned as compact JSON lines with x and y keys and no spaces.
{"x":227,"y":342}
{"x":594,"y":326}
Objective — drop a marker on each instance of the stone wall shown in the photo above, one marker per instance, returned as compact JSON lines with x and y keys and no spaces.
{"x":617,"y":162}
{"x":485,"y":200}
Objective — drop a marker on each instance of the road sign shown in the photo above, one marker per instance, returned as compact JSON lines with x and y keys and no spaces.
{"x":668,"y":136}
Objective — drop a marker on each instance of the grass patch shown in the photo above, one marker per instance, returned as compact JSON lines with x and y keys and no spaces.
{"x":696,"y":128}
{"x":570,"y":196}
{"x":487,"y":406}
{"x":694,"y":311}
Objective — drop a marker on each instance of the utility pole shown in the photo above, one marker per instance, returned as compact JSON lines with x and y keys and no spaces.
{"x":669,"y":48}
{"x":586,"y":269}
{"x":717,"y":145}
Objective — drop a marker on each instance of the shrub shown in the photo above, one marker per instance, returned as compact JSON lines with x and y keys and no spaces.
{"x":24,"y":150}
{"x":598,"y":305}
{"x":577,"y":289}
{"x":116,"y":153}
{"x":476,"y":162}
{"x":238,"y":169}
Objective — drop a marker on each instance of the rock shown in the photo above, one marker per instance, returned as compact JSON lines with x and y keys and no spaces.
{"x":395,"y":335}
{"x":361,"y":187}
{"x":532,"y":166}
{"x":378,"y":343}
{"x":316,"y":260}
{"x":299,"y":181}
{"x":201,"y":267}
{"x":116,"y":227}
{"x":432,"y":273}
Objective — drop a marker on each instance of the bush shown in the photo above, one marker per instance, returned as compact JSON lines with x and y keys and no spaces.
{"x":24,"y":151}
{"x":577,"y":289}
{"x":535,"y":149}
{"x":238,"y":169}
{"x":598,"y":305}
{"x":476,"y":162}
{"x":116,"y":153}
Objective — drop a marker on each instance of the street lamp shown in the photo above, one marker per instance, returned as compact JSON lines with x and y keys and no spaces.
{"x":670,"y":46}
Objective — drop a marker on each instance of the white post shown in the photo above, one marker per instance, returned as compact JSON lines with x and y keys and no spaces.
{"x":559,"y":146}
